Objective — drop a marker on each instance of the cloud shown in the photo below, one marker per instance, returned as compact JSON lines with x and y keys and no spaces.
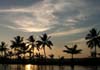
{"x":28,"y":25}
{"x":43,"y":15}
{"x":77,"y":41}
{"x":70,"y":32}
{"x":5,"y":4}
{"x":28,"y":29}
{"x":15,"y":10}
{"x":41,"y":19}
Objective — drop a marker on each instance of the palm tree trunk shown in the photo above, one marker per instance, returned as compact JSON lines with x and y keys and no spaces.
{"x":95,"y":52}
{"x":72,"y":61}
{"x":10,"y":56}
{"x":2,"y":54}
{"x":39,"y":54}
{"x":30,"y":54}
{"x":44,"y":52}
{"x":24,"y":55}
{"x":72,"y":56}
{"x":33,"y":52}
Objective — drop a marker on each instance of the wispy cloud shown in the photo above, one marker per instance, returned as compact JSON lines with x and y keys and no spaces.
{"x":77,"y":41}
{"x":43,"y":15}
{"x":70,"y":32}
{"x":42,"y":18}
{"x":28,"y":29}
{"x":27,"y":25}
{"x":16,"y":10}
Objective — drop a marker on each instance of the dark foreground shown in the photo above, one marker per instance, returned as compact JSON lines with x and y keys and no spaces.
{"x":77,"y":61}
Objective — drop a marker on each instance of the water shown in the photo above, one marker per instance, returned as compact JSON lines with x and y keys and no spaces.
{"x":47,"y":67}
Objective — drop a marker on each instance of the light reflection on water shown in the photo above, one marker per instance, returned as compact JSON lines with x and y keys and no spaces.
{"x":47,"y":67}
{"x":30,"y":67}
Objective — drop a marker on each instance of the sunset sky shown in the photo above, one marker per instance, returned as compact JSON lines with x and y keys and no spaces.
{"x":67,"y":21}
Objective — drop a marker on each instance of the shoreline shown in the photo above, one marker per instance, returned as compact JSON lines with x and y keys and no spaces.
{"x":75,"y":61}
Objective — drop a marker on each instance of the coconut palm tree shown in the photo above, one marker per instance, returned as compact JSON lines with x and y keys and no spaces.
{"x":23,"y":49}
{"x":17,"y":43}
{"x":3,"y":48}
{"x":73,"y":50}
{"x":93,"y":39}
{"x":32,"y":44}
{"x":44,"y":42}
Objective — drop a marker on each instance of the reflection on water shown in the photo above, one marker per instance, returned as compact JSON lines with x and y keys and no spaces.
{"x":61,"y":67}
{"x":47,"y":67}
{"x":30,"y":67}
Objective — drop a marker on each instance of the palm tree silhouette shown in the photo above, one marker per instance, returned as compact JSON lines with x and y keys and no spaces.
{"x":17,"y":43}
{"x":23,"y":49}
{"x":44,"y":42}
{"x":3,"y":48}
{"x":51,"y":56}
{"x":72,"y":50}
{"x":32,"y":44}
{"x":93,"y":40}
{"x":38,"y":55}
{"x":10,"y":54}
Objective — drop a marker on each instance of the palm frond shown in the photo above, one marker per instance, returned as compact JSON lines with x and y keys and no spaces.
{"x":90,"y":44}
{"x":48,"y":45}
{"x":67,"y":51}
{"x":75,"y":46}
{"x":45,"y":36}
{"x":67,"y":47}
{"x":98,"y":33}
{"x":31,"y":39}
{"x":77,"y":51}
{"x":39,"y":43}
{"x":41,"y":38}
{"x":72,"y":50}
{"x":88,"y":36}
{"x":3,"y":46}
{"x":49,"y":42}
{"x":48,"y":37}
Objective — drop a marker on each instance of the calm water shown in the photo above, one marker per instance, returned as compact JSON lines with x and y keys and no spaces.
{"x":35,"y":67}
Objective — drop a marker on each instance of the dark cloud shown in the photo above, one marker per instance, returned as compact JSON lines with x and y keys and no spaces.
{"x":17,"y":3}
{"x":93,"y":2}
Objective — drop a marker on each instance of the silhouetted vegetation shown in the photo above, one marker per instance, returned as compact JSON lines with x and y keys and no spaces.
{"x":3,"y":48}
{"x":17,"y":45}
{"x":31,"y":44}
{"x":44,"y":42}
{"x":93,"y":40}
{"x":51,"y":56}
{"x":22,"y":51}
{"x":73,"y":50}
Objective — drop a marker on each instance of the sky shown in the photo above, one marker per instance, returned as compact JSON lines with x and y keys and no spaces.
{"x":67,"y":21}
